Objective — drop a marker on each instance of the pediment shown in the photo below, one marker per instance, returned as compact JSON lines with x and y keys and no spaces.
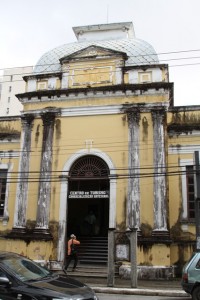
{"x":92,"y":52}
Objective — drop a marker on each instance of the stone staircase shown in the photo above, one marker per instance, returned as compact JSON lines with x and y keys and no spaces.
{"x":93,"y":250}
{"x":92,"y":263}
{"x":88,"y":271}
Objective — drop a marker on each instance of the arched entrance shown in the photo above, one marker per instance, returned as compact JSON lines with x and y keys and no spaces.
{"x":64,"y":192}
{"x":88,"y":197}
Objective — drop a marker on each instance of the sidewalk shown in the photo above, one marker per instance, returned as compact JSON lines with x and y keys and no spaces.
{"x":170,"y":288}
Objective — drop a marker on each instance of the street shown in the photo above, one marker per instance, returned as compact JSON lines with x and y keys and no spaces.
{"x":137,"y":297}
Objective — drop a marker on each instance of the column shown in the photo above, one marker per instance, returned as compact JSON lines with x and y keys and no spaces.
{"x":132,"y":236}
{"x":23,"y":176}
{"x":160,"y":206}
{"x":42,"y":220}
{"x":133,"y":201}
{"x":111,"y":257}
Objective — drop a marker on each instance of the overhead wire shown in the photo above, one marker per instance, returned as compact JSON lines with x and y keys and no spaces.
{"x":105,"y":64}
{"x":140,"y":56}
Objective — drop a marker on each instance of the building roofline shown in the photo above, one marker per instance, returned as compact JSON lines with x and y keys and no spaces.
{"x":126,"y":26}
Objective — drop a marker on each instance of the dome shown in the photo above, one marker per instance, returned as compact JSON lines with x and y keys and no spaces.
{"x":139,"y":52}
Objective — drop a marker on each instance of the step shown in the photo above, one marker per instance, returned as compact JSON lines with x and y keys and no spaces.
{"x":93,"y":250}
{"x":82,"y":261}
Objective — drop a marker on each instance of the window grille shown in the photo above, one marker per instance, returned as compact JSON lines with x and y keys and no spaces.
{"x":190,"y":192}
{"x":89,"y":166}
{"x":3,"y":182}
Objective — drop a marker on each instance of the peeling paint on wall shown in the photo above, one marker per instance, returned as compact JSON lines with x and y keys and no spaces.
{"x":145,"y":126}
{"x":133,"y":203}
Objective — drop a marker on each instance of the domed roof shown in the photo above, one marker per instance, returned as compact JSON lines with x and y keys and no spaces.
{"x":138,"y":51}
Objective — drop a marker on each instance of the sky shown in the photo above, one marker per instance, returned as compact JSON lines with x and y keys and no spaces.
{"x":29,"y":28}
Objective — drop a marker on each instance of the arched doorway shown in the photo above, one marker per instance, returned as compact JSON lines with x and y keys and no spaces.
{"x":88,"y":197}
{"x":64,"y":192}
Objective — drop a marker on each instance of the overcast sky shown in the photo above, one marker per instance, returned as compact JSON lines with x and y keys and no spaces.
{"x":28,"y":29}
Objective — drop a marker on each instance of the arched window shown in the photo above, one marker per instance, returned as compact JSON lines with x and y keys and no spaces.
{"x":89,"y":166}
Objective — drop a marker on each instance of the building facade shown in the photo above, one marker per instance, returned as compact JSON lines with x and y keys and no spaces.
{"x":12,"y":83}
{"x":99,"y":132}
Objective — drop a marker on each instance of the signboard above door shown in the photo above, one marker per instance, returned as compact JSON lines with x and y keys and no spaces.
{"x":88,"y":194}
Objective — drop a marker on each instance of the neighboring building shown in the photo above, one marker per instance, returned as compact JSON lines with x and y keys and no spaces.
{"x":1,"y":79}
{"x":12,"y":84}
{"x":99,"y":133}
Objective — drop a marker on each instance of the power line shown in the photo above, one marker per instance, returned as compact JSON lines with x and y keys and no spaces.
{"x":131,"y":56}
{"x":118,"y":177}
{"x":81,"y":74}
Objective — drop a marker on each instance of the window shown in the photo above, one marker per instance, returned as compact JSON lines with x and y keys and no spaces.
{"x":190,"y":192}
{"x":7,"y":111}
{"x":3,"y":181}
{"x":145,"y":77}
{"x":10,"y":88}
{"x":42,"y":85}
{"x":8,"y":99}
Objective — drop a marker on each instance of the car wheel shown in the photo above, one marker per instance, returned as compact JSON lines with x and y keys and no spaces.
{"x":196,"y":293}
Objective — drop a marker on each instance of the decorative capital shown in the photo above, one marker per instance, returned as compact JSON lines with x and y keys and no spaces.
{"x":158,"y":115}
{"x":133,"y":117}
{"x":27,"y":120}
{"x":48,"y":118}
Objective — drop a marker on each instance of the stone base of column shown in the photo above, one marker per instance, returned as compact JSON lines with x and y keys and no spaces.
{"x":43,"y":233}
{"x":161,"y":236}
{"x":18,"y":231}
{"x":161,"y":233}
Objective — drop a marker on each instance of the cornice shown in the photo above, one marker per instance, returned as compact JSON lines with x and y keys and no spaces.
{"x":145,"y":67}
{"x":46,"y":75}
{"x":113,"y":90}
{"x":100,"y":110}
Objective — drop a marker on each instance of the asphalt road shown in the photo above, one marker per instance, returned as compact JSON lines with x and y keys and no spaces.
{"x":137,"y":297}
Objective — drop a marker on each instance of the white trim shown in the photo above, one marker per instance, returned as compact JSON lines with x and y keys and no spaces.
{"x":186,"y":149}
{"x":8,"y":141}
{"x":64,"y":191}
{"x":9,"y":154}
{"x":90,"y":111}
{"x":99,"y":109}
{"x":9,"y":168}
{"x":183,"y":163}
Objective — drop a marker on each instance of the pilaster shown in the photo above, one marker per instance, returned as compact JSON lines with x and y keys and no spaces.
{"x":160,"y":201}
{"x":42,"y":219}
{"x":133,"y":201}
{"x":23,"y":174}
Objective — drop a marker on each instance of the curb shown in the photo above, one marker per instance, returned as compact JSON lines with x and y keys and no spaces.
{"x":136,"y":291}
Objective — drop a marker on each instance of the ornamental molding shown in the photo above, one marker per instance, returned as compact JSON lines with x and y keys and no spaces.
{"x":183,"y":149}
{"x":9,"y":154}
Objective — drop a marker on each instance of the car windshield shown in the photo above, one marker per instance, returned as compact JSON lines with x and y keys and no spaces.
{"x":25,"y":269}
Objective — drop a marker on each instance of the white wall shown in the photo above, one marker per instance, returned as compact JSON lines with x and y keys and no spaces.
{"x":12,"y":84}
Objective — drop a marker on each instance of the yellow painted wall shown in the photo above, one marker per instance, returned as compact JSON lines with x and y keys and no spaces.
{"x":7,"y":128}
{"x":157,"y":255}
{"x":146,"y":164}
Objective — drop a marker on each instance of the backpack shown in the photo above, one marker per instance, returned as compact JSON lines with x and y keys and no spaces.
{"x":73,"y":248}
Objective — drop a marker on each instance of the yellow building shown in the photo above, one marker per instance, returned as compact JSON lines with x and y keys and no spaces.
{"x":99,"y":133}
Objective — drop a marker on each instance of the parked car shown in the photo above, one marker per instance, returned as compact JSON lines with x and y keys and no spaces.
{"x":23,"y":279}
{"x":191,"y":276}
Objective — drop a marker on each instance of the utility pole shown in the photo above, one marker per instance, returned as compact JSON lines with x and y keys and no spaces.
{"x":197,"y":196}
